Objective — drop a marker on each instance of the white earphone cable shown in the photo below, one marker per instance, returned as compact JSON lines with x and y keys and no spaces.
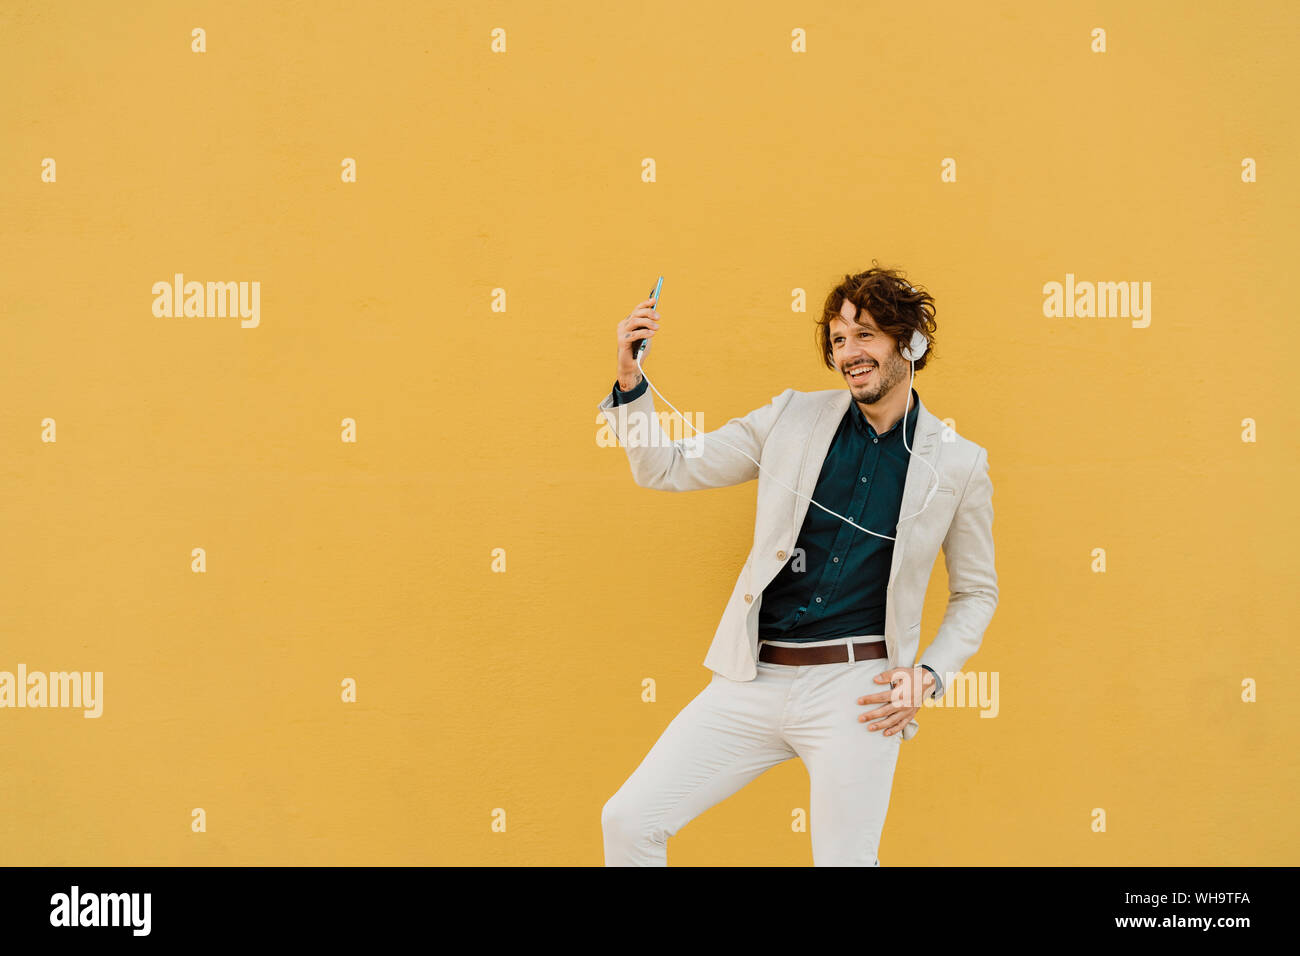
{"x":930,"y":493}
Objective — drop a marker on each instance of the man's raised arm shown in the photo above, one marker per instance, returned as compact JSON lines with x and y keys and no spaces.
{"x":694,"y":462}
{"x":690,"y":463}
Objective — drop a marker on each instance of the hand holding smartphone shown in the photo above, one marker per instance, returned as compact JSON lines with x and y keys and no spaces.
{"x":644,"y":345}
{"x":634,"y":334}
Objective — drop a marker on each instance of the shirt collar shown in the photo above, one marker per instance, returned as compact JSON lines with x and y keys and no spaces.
{"x":860,"y":420}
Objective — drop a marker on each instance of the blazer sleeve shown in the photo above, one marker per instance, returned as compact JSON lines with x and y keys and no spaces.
{"x":972,"y":577}
{"x":713,"y":460}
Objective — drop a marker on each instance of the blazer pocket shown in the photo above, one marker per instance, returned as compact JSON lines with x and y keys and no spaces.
{"x":945,"y":490}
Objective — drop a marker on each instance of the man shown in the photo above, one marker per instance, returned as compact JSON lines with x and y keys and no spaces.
{"x":814,"y":655}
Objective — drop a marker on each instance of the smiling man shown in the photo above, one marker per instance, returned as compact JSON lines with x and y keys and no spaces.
{"x":816,"y":652}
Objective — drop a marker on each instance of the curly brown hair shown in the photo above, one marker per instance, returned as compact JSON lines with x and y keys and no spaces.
{"x":894,"y":304}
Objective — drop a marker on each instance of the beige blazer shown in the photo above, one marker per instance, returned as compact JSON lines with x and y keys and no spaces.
{"x":790,"y":436}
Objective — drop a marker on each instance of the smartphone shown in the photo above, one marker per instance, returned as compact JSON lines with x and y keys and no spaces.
{"x":644,"y":344}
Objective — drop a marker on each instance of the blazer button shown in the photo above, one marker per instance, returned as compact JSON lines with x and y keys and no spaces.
{"x":781,"y":555}
{"x":749,"y":598}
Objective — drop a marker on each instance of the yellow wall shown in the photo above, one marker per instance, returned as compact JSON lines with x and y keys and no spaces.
{"x":476,"y":429}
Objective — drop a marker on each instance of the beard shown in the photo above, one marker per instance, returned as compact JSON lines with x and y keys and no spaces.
{"x":881,"y":381}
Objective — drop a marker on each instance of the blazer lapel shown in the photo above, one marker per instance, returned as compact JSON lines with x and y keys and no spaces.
{"x":815,"y":449}
{"x":925,"y":444}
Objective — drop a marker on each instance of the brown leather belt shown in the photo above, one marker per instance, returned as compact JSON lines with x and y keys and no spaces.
{"x":821,"y":654}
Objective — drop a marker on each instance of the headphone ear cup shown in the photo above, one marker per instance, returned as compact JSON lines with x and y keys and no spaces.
{"x":916,"y":348}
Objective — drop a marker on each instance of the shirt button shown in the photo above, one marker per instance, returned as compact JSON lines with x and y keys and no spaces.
{"x":864,"y":479}
{"x":819,"y":600}
{"x":875,"y":441}
{"x":749,"y":598}
{"x":835,"y":560}
{"x":781,"y":555}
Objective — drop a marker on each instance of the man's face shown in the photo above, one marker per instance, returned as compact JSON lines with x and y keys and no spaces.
{"x":857,"y":344}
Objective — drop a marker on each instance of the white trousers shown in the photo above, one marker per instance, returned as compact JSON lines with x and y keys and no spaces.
{"x":732,"y":731}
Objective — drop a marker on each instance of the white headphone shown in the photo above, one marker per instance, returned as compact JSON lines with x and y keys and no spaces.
{"x":913,"y":351}
{"x":915,"y":348}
